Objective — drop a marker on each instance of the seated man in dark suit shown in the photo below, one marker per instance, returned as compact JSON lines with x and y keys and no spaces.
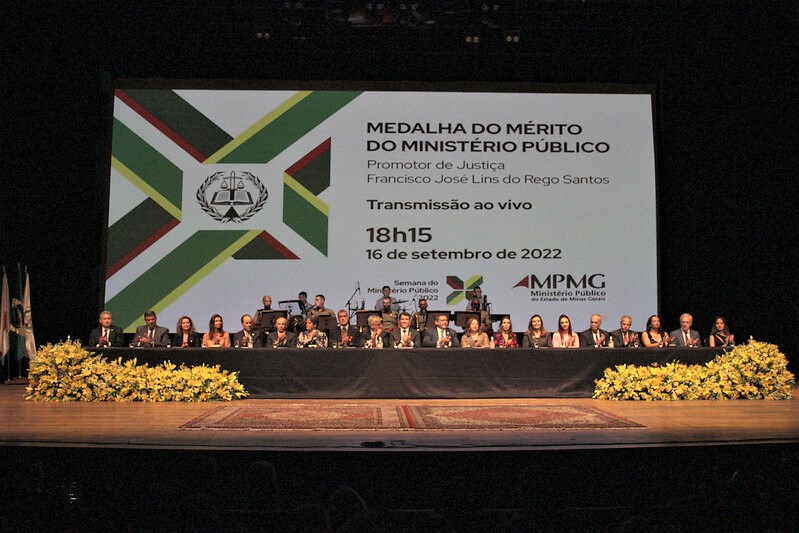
{"x":404,"y":336}
{"x":247,"y":337}
{"x":376,"y":338}
{"x":151,"y":334}
{"x":344,"y":333}
{"x":594,"y":337}
{"x":441,"y":336}
{"x":106,"y":334}
{"x":624,"y":337}
{"x":685,"y":336}
{"x":281,"y":338}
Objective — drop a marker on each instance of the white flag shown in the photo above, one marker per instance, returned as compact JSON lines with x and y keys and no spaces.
{"x":5,"y":320}
{"x":30,"y":341}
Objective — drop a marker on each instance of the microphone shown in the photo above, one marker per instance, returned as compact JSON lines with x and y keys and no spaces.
{"x":359,"y":287}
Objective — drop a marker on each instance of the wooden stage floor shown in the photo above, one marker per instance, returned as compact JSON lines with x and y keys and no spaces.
{"x":156,"y":426}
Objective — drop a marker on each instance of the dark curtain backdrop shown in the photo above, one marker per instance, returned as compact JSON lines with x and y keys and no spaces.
{"x":725,"y":75}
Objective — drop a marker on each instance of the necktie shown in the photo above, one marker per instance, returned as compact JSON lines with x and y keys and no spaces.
{"x":596,"y":338}
{"x":625,"y":339}
{"x":105,"y":332}
{"x":687,"y":339}
{"x":150,"y":335}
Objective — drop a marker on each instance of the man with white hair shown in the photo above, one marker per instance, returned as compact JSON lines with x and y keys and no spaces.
{"x":594,"y":336}
{"x":685,"y":336}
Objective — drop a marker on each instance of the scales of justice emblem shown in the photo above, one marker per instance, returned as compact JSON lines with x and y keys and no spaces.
{"x":234,"y":199}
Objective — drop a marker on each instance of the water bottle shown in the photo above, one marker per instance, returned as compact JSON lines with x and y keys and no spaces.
{"x":611,"y":344}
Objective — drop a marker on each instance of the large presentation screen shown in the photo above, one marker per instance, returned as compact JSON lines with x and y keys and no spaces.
{"x":546,"y":200}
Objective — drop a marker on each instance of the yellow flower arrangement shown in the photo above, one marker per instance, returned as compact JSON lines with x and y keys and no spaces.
{"x":756,"y":370}
{"x":68,"y":372}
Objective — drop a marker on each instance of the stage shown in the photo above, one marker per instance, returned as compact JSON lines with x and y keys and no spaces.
{"x":416,"y":373}
{"x":378,"y":463}
{"x":91,"y":466}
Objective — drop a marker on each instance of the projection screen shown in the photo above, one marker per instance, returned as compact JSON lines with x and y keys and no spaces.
{"x":546,"y":200}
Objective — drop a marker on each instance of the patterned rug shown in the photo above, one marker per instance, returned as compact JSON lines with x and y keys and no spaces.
{"x":512,"y":417}
{"x":350,"y":417}
{"x":337,"y":417}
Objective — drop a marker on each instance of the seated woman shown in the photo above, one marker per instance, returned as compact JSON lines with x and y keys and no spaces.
{"x":473,"y":337}
{"x":655,"y":336}
{"x":312,"y":337}
{"x":565,"y":337}
{"x":721,"y":336}
{"x":185,"y":335}
{"x":216,"y":337}
{"x":505,"y":337}
{"x":536,"y":336}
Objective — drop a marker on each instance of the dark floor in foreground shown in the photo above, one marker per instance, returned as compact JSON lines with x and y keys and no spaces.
{"x":738,"y":487}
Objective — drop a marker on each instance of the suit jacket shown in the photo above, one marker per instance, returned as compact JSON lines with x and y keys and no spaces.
{"x":256,"y":338}
{"x":195,"y":340}
{"x":678,"y":340}
{"x":366,"y":338}
{"x":618,"y":338}
{"x":115,"y":336}
{"x":431,"y":338}
{"x":352,"y":331}
{"x":160,"y":336}
{"x":587,"y":338}
{"x":289,"y":342}
{"x":396,"y":337}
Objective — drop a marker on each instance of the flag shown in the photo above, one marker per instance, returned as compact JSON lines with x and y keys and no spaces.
{"x":19,"y":335}
{"x":30,"y":341}
{"x":5,"y":319}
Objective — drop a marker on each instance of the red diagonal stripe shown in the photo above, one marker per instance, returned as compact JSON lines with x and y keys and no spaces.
{"x":146,"y":243}
{"x":277,"y":245}
{"x":409,"y":417}
{"x":310,"y":156}
{"x":160,"y":126}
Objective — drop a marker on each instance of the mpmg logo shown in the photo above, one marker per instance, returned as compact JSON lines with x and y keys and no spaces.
{"x":563,"y":281}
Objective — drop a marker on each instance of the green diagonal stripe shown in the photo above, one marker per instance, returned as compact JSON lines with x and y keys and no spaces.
{"x":137,"y":225}
{"x":185,"y":120}
{"x":147,"y":163}
{"x":315,"y":176}
{"x":292,"y":125}
{"x":304,"y":218}
{"x":178,"y":271}
{"x":473,"y":282}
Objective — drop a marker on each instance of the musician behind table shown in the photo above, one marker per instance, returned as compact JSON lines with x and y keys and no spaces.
{"x":477,"y":292}
{"x":389,"y":315}
{"x":476,"y":306}
{"x":419,"y":318}
{"x":257,"y":323}
{"x":302,"y":297}
{"x":319,"y":308}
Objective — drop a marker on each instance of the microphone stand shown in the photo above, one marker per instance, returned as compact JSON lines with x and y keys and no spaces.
{"x":350,"y":310}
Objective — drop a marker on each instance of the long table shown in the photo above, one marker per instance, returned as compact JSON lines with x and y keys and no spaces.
{"x":415,"y":373}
